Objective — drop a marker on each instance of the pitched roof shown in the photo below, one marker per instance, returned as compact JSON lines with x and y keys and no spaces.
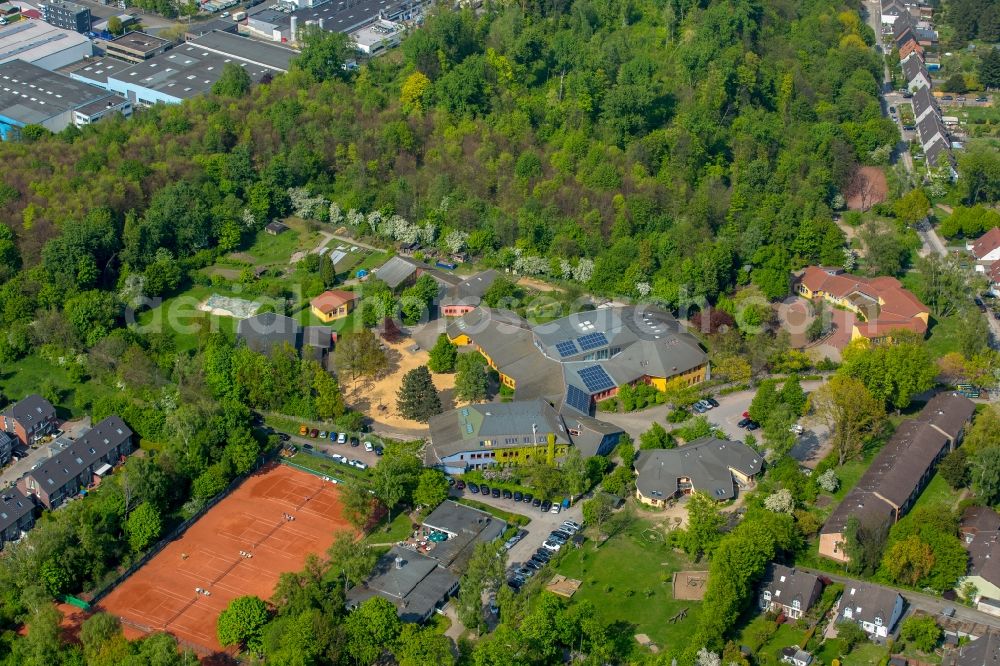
{"x":470,"y":291}
{"x":93,"y":445}
{"x":787,"y":585}
{"x":707,"y":462}
{"x":31,"y":409}
{"x":986,"y":243}
{"x":868,"y":602}
{"x":895,"y":472}
{"x":14,"y":505}
{"x":330,"y":300}
{"x":887,"y":305}
{"x":465,"y":527}
{"x":914,"y":68}
{"x":265,"y":331}
{"x":980,"y":528}
{"x":984,"y":651}
{"x":910,"y":46}
{"x":923,"y":102}
{"x":398,"y":269}
{"x":415,"y":586}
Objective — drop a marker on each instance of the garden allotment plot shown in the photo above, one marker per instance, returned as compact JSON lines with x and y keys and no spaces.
{"x":264,"y":528}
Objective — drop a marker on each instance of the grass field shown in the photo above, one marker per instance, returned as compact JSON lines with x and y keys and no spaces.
{"x":509,"y":516}
{"x":329,"y":467}
{"x":863,"y":654}
{"x":32,"y":373}
{"x":398,"y":529}
{"x":943,"y":336}
{"x":628,"y":581}
{"x":937,"y":494}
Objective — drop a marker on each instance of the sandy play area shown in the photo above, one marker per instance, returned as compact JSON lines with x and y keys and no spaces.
{"x":378,"y":399}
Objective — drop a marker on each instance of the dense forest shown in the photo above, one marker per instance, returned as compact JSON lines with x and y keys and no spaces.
{"x":675,"y":148}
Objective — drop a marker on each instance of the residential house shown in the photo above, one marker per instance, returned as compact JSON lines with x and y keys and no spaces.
{"x":715,"y":467}
{"x":521,"y":431}
{"x":899,"y":472}
{"x":585,"y":357}
{"x":467,"y":295}
{"x":333,"y":304}
{"x":80,"y":465}
{"x":910,"y":49}
{"x":796,"y":656}
{"x":787,"y":591}
{"x":882,"y":304}
{"x":29,"y":419}
{"x":916,"y":74}
{"x":891,"y":10}
{"x":924,"y":104}
{"x":267,"y":331}
{"x":17,"y":515}
{"x":993,"y":275}
{"x":6,"y":447}
{"x":983,"y":651}
{"x":985,"y":249}
{"x":980,"y":533}
{"x":874,"y":608}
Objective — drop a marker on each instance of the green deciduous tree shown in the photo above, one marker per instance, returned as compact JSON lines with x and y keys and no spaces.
{"x":432,"y":488}
{"x":421,"y":646}
{"x":324,"y":53}
{"x":922,"y":631}
{"x":242,"y":623}
{"x":143,"y":527}
{"x":443,"y":355}
{"x":954,"y":468}
{"x":471,"y":380}
{"x":417,"y":397}
{"x":853,"y":415}
{"x":656,"y":438}
{"x":704,"y":520}
{"x":234,"y":81}
{"x":892,"y":373}
{"x":360,"y":354}
{"x":372,"y":629}
{"x":353,"y":559}
{"x":912,"y":207}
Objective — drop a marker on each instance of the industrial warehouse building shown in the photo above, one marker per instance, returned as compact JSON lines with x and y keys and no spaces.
{"x":41,"y":44}
{"x":30,"y":95}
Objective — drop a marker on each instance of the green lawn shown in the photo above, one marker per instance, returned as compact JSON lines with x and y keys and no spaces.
{"x":943,"y":336}
{"x":509,"y":516}
{"x":328,"y":467}
{"x":399,"y":529}
{"x":628,"y":579}
{"x":786,"y":635}
{"x":937,"y":494}
{"x":180,"y":317}
{"x":32,"y":373}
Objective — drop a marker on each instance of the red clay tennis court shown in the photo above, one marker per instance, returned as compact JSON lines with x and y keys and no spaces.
{"x":264,"y":528}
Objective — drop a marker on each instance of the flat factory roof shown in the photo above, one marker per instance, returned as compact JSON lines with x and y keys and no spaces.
{"x":30,"y":94}
{"x":30,"y":40}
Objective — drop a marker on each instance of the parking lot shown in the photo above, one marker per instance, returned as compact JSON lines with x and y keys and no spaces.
{"x":329,"y":448}
{"x":537,"y":531}
{"x":34,"y":456}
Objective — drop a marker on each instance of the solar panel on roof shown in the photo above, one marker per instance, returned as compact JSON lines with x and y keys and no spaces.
{"x":591,"y":341}
{"x":577,"y":399}
{"x":566,"y":348}
{"x":596,"y":379}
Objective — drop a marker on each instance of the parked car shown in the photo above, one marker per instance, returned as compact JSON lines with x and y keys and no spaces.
{"x":339,"y":458}
{"x":752,"y":425}
{"x":284,"y":436}
{"x":698,"y":408}
{"x":979,"y":304}
{"x":484,"y":489}
{"x":560,"y":534}
{"x":518,"y":496}
{"x":796,"y":428}
{"x":341,"y":437}
{"x":534,"y":566}
{"x":947,"y":98}
{"x":496,"y":493}
{"x":960,"y":98}
{"x":314,"y":433}
{"x":524,"y":572}
{"x":355,"y":443}
{"x":556,"y":508}
{"x":543,"y":555}
{"x":379,"y":450}
{"x":507,"y":494}
{"x":368,"y":447}
{"x":528,"y":497}
{"x":536,"y":502}
{"x":303,"y":431}
{"x":712,"y":401}
{"x":551,"y":545}
{"x":515,"y":583}
{"x":473,"y":487}
{"x":308,"y":447}
{"x":358,"y":464}
{"x":511,"y":542}
{"x":322,"y":434}
{"x":743,"y":423}
{"x":572,"y":523}
{"x":982,"y":99}
{"x":545,"y":506}
{"x":892,"y":110}
{"x":460,"y":484}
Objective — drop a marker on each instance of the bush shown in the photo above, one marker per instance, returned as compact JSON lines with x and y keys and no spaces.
{"x":678,"y":416}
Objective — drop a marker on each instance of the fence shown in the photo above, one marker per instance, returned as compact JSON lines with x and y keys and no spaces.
{"x":179,"y":530}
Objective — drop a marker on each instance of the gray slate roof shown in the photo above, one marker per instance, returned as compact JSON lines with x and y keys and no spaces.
{"x":980,"y":529}
{"x":268,"y":330}
{"x":30,"y":410}
{"x":913,"y":67}
{"x":81,"y":454}
{"x":706,"y":461}
{"x":464,"y":428}
{"x":414,"y":588}
{"x":470,"y":291}
{"x":923,"y":101}
{"x":466,"y":527}
{"x":869,"y":602}
{"x":14,"y":505}
{"x":984,"y":651}
{"x":787,"y":584}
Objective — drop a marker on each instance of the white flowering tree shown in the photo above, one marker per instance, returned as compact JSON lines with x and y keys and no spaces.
{"x":530,"y":265}
{"x":584,"y":270}
{"x":249,"y":221}
{"x":780,"y":502}
{"x":428,"y":233}
{"x":828,"y":481}
{"x":304,"y":205}
{"x":643,"y":289}
{"x":375,"y":221}
{"x":336,"y":215}
{"x":708,"y":658}
{"x":355,"y":218}
{"x":455,"y":241}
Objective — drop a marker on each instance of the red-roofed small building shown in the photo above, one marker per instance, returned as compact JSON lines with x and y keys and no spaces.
{"x":881,"y":304}
{"x":333,"y":304}
{"x":986,"y":249}
{"x":993,"y":275}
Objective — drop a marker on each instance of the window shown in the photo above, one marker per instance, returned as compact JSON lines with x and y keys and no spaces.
{"x":796,"y":604}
